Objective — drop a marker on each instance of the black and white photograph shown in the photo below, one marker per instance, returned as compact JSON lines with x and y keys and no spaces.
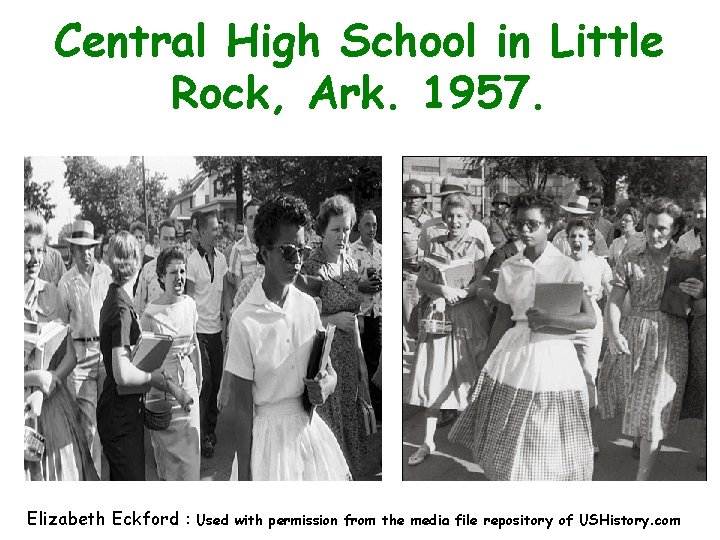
{"x":554,"y":318}
{"x":202,"y":318}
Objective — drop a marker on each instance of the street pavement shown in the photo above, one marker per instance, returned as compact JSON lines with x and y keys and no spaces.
{"x":677,"y":461}
{"x":219,"y":466}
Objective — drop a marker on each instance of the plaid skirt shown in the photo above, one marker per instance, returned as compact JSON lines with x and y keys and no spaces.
{"x":528,"y":417}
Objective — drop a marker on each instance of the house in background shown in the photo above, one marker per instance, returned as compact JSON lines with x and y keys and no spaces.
{"x":204,"y":194}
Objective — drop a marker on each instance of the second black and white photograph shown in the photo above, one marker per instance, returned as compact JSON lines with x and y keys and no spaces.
{"x":554,"y":318}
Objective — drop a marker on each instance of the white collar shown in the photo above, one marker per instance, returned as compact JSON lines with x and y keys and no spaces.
{"x":550,"y":252}
{"x":257,"y":297}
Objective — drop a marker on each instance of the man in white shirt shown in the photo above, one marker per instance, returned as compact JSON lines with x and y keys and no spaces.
{"x":690,"y":241}
{"x":206,"y":268}
{"x":148,"y":288}
{"x":82,"y":292}
{"x":243,"y":255}
{"x":368,"y":253}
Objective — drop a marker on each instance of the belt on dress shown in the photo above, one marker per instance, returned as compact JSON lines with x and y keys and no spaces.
{"x":86,"y":339}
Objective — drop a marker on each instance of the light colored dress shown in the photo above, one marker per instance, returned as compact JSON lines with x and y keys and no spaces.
{"x":67,"y":454}
{"x":270,"y":346}
{"x":596,"y":275}
{"x":528,"y":417}
{"x":647,"y":385}
{"x":177,"y":448}
{"x":446,"y":366}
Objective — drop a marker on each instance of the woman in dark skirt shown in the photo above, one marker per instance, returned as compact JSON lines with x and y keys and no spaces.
{"x":120,"y":417}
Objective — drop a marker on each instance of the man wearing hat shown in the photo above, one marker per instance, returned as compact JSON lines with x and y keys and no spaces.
{"x":497,"y":223}
{"x":414,"y":216}
{"x":577,"y":206}
{"x":82,"y":292}
{"x":436,"y":226}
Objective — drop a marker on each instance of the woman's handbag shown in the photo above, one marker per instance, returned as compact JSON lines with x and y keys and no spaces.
{"x":34,"y":442}
{"x":435,"y":323}
{"x":368,"y":415}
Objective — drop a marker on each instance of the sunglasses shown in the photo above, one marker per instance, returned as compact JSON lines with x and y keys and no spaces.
{"x":290,"y":251}
{"x":594,"y":205}
{"x":531,"y":224}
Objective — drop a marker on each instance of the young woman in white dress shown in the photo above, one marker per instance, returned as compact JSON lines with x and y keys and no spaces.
{"x":596,"y":275}
{"x":177,"y":448}
{"x":528,"y":416}
{"x":270,"y":340}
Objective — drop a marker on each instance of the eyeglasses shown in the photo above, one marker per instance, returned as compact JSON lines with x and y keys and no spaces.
{"x":531,"y":224}
{"x":594,"y":204}
{"x":290,"y":251}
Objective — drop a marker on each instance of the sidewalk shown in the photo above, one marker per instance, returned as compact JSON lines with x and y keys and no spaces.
{"x":677,"y":460}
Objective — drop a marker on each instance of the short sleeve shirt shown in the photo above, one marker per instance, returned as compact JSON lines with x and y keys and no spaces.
{"x":82,"y":301}
{"x":596,"y":273}
{"x":208,"y":294}
{"x":436,"y":226}
{"x":518,"y":277}
{"x":53,"y":266}
{"x":271,"y":345}
{"x":119,"y":327}
{"x":148,"y":288}
{"x":372,"y":303}
{"x":243,"y":258}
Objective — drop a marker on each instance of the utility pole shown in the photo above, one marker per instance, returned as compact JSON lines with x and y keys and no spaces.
{"x":147,"y":224}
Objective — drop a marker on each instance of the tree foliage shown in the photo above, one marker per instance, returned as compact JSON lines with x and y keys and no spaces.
{"x":313,"y":178}
{"x":113,"y":196}
{"x":37,"y":196}
{"x":680,"y":178}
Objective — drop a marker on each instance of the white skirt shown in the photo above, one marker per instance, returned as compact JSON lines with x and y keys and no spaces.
{"x":287,"y":445}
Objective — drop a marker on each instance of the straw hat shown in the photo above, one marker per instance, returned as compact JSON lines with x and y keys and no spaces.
{"x":446,"y":188}
{"x":578,"y":204}
{"x":83,"y":234}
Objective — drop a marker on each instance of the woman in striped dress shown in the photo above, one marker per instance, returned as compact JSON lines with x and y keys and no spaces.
{"x":528,"y":417}
{"x":643,"y":373}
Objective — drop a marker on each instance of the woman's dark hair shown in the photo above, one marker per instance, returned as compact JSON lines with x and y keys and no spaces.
{"x":663,"y":205}
{"x":251,"y":202}
{"x":540,"y":200}
{"x":282,"y":210}
{"x":170,"y":253}
{"x":634,"y":213}
{"x":584,"y":224}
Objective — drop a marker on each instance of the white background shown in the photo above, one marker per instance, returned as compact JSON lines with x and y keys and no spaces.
{"x":605,"y":106}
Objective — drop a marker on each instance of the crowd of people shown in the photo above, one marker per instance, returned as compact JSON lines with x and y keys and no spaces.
{"x":243,"y":315}
{"x":523,"y":384}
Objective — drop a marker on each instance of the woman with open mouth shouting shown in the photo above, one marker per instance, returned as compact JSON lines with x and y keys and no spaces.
{"x":177,"y":448}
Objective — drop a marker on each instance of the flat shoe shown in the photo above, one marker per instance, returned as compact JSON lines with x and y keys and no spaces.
{"x":596,"y":448}
{"x":420,"y":454}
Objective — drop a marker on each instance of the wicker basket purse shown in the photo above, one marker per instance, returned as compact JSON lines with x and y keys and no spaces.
{"x":34,"y":443}
{"x":435,"y":323}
